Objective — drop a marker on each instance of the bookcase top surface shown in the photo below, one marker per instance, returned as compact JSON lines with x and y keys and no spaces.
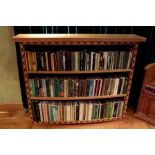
{"x":79,"y":37}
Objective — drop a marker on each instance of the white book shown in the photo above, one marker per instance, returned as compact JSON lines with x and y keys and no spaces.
{"x":109,"y":86}
{"x":71,"y":112}
{"x":46,"y":55}
{"x":91,"y":61}
{"x":76,"y":61}
{"x":123,"y":81}
{"x":116,"y":86}
{"x":94,"y":87}
{"x":121,"y":108}
{"x":67,"y":113}
{"x":105,"y":56}
{"x":66,"y":93}
{"x":41,"y":113}
{"x":129,"y":60}
{"x":65,"y":90}
{"x":96,"y":60}
{"x":112,"y":109}
{"x":44,"y":86}
{"x":35,"y":58}
{"x":63,"y":59}
{"x":90,"y":111}
{"x":51,"y":87}
{"x":99,"y":110}
{"x":101,"y":82}
{"x":54,"y":113}
{"x":81,"y":111}
{"x":113,"y":60}
{"x":74,"y":113}
{"x":86,"y":111}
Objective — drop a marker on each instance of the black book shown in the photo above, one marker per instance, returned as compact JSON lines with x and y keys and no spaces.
{"x":44,"y":61}
{"x":72,"y":87}
{"x":36,"y":87}
{"x":55,"y":62}
{"x":39,"y":66}
{"x":35,"y":111}
{"x":102,"y":111}
{"x":101,"y":63}
{"x":79,"y":90}
{"x":115,"y":109}
{"x":69,"y":88}
{"x":126,"y":59}
{"x":119,"y":86}
{"x":47,"y":87}
{"x":49,"y":61}
{"x":81,"y":61}
{"x":68,"y":60}
{"x":87,"y":88}
{"x":94,"y":55}
{"x":77,"y":112}
{"x":84,"y":60}
{"x":61,"y":60}
{"x":117,"y":60}
{"x":105,"y":109}
{"x":55,"y":87}
{"x":58,"y":60}
{"x":125,"y":86}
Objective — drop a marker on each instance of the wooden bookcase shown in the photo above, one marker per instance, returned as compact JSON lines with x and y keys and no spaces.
{"x":99,"y":40}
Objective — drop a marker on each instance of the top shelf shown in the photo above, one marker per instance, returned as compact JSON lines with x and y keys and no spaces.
{"x":80,"y":72}
{"x":121,"y":38}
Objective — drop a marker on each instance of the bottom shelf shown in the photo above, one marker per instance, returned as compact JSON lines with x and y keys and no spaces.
{"x":81,"y":122}
{"x":75,"y":112}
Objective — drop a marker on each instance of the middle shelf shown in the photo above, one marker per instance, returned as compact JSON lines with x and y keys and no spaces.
{"x":77,"y":98}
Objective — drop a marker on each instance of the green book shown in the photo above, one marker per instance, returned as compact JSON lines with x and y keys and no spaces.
{"x":93,"y":112}
{"x":107,"y":110}
{"x":96,"y":111}
{"x":121,"y":108}
{"x":58,"y":88}
{"x":33,"y":87}
{"x":51,"y":113}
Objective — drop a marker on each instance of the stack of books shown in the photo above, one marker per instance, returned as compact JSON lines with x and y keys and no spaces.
{"x":69,"y":87}
{"x":74,"y":111}
{"x":77,"y":60}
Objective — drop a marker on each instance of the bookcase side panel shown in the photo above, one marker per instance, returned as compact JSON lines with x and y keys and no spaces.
{"x":22,"y":51}
{"x":134,"y":51}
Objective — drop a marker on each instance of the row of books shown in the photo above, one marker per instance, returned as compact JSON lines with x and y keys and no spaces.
{"x":61,"y":87}
{"x":77,"y":60}
{"x":73,"y":111}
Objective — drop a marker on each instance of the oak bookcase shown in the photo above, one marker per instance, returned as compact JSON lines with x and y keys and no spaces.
{"x":79,"y":40}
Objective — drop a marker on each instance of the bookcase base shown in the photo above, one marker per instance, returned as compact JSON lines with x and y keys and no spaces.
{"x":80,"y":122}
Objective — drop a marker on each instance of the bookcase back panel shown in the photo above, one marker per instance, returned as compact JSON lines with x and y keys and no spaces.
{"x":77,"y":47}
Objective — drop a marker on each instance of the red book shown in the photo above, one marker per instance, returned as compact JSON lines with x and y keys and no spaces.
{"x":118,"y":109}
{"x":61,"y":87}
{"x":52,"y":62}
{"x":60,"y":111}
{"x":104,"y":85}
{"x":96,"y":87}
